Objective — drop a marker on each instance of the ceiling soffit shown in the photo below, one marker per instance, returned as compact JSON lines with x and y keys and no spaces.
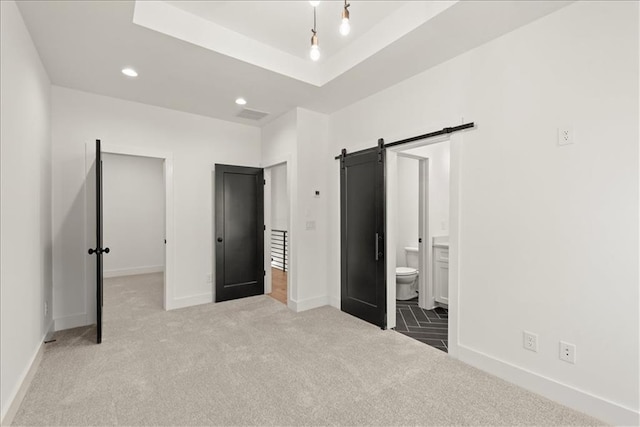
{"x":189,"y":27}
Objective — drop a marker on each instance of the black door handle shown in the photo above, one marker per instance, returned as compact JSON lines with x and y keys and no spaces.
{"x":99,"y":251}
{"x":220,"y":239}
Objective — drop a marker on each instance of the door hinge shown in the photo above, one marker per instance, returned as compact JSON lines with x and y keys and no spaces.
{"x":264,"y":272}
{"x":380,"y":149}
{"x":265,"y":227}
{"x":343,"y":154}
{"x":264,"y":182}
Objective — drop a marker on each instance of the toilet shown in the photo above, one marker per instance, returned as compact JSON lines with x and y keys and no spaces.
{"x":407,"y":277}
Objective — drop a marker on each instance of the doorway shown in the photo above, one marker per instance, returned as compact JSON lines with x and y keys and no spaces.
{"x":277,"y":222}
{"x":426,"y":309}
{"x":422,"y":241}
{"x":134,"y":229}
{"x":94,"y":211}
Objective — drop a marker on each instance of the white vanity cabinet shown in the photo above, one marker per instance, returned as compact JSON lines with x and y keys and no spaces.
{"x":441,"y":273}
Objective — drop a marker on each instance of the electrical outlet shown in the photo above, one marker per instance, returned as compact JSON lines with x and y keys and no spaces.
{"x":46,"y":308}
{"x":565,"y":136}
{"x":567,"y":352}
{"x":530,"y":341}
{"x":209,"y":278}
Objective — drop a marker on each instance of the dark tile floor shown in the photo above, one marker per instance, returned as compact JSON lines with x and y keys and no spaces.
{"x":427,"y":326}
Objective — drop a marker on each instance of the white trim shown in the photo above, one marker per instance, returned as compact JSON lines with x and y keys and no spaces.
{"x":71,"y":321}
{"x":334,"y":302}
{"x":426,"y":297}
{"x":391,"y":182}
{"x":572,"y":397}
{"x":455,"y":217}
{"x":21,"y":388}
{"x":192,"y":300}
{"x":119,"y":272}
{"x":391,"y":209}
{"x":167,"y":156}
{"x":308,"y":304}
{"x":267,"y":230}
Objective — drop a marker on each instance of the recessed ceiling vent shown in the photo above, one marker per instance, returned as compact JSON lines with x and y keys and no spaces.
{"x":247,"y":113}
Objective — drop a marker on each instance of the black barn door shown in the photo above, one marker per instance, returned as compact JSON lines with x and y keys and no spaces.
{"x":362,"y":204}
{"x":98,"y":250}
{"x":239,"y":193}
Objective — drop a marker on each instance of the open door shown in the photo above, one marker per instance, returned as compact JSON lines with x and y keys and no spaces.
{"x":98,"y":250}
{"x":239,"y":213}
{"x":362,"y":221}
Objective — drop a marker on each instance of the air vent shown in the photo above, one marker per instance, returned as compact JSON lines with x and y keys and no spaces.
{"x":247,"y":113}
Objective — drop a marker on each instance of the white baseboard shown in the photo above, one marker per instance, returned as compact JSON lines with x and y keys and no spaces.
{"x":21,"y":388}
{"x":308,"y":304}
{"x":189,"y":301}
{"x":133,"y":271}
{"x":597,"y":407}
{"x":334,"y":302}
{"x":73,"y":321}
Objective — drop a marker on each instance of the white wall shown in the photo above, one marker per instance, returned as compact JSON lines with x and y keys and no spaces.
{"x":301,"y":138}
{"x":439,"y":160}
{"x":548,"y":234}
{"x":25,"y":206}
{"x":279,"y":198}
{"x":408,"y":197}
{"x":313,"y":142}
{"x":133,"y":209}
{"x":196,"y":144}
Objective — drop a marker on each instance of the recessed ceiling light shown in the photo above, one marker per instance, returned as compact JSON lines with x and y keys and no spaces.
{"x":241,"y":101}
{"x":129,"y":72}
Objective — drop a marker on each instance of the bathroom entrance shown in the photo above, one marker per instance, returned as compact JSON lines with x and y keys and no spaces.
{"x":428,"y":294}
{"x":422,"y":240}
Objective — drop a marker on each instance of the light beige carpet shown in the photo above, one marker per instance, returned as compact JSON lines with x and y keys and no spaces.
{"x":254,"y":362}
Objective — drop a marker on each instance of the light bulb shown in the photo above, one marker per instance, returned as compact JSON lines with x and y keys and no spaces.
{"x":315,"y":52}
{"x":314,"y":3}
{"x":345,"y":27}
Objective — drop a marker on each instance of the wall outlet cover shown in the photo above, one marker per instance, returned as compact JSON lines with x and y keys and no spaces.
{"x":567,"y":352}
{"x":530,"y":341}
{"x":565,"y":135}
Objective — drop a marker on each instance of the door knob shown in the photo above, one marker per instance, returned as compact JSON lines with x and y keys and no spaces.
{"x":219,"y":239}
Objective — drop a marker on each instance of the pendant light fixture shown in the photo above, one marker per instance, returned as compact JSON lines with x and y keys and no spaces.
{"x":314,"y":53}
{"x":345,"y":27}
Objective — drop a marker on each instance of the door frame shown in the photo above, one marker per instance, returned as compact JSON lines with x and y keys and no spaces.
{"x":286,"y":160}
{"x":455,"y":180}
{"x":426,"y":295}
{"x":167,"y":156}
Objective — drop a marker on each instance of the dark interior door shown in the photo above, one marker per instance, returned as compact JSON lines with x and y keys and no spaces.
{"x":363,"y":280}
{"x":98,"y":250}
{"x":239,"y":193}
